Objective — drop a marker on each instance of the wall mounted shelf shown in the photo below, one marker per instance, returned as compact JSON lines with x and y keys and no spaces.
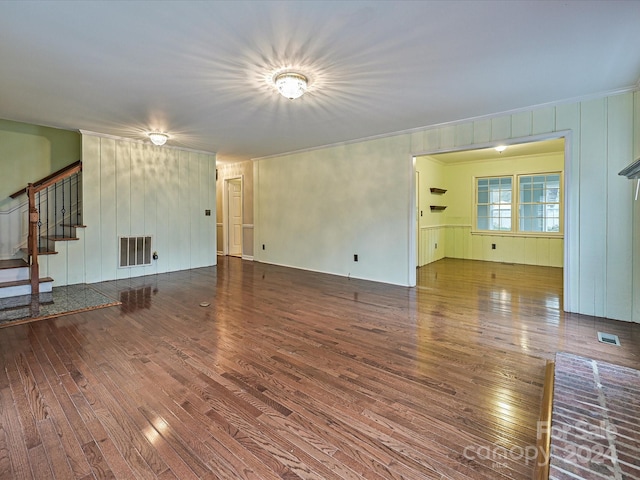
{"x":437,"y":208}
{"x":438,"y":191}
{"x":632,"y":170}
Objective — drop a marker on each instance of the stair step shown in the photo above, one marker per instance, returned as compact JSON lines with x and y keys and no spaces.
{"x":23,"y":287}
{"x":41,"y":251}
{"x":17,"y":263}
{"x":24,"y":282}
{"x":75,"y":226}
{"x":60,"y":238}
{"x":13,"y":270}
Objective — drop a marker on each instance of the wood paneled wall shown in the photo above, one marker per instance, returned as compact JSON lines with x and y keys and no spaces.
{"x":432,"y":244}
{"x":133,"y":188}
{"x":12,"y":231}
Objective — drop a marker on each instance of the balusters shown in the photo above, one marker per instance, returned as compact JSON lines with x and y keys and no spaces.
{"x":78,"y":217}
{"x":63,"y":209}
{"x":39,"y":220}
{"x":46,"y":231}
{"x":55,"y":205}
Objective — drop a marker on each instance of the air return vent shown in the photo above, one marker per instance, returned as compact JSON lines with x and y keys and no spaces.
{"x":608,"y":338}
{"x":135,"y":251}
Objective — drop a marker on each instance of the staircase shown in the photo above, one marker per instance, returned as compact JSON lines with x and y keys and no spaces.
{"x":54,"y":215}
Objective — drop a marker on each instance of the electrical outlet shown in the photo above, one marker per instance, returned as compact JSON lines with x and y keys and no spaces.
{"x":493,"y":246}
{"x":263,"y":246}
{"x":355,"y":257}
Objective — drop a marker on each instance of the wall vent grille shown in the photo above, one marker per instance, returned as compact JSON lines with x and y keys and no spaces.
{"x":135,"y":251}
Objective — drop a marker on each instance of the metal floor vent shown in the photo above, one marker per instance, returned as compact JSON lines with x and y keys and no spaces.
{"x":608,"y":338}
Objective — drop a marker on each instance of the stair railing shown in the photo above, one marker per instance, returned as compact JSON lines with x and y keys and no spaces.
{"x":49,"y":185}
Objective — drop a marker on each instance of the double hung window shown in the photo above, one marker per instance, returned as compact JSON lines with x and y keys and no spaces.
{"x":494,"y":203}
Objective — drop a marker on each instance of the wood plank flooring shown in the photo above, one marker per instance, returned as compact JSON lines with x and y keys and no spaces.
{"x":292,"y":374}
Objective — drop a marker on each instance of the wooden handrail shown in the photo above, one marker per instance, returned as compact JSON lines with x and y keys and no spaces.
{"x":51,"y":179}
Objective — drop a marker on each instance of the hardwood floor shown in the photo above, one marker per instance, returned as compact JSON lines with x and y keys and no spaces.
{"x":291,"y":374}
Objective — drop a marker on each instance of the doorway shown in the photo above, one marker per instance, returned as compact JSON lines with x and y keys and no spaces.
{"x":233,"y":217}
{"x":457,"y":231}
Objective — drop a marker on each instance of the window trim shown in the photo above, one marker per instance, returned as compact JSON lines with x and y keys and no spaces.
{"x":515,"y":207}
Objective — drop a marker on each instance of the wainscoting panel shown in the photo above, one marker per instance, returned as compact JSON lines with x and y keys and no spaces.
{"x":523,"y":250}
{"x":432,"y":246}
{"x":12,"y":231}
{"x":220,"y":238}
{"x":247,"y":241}
{"x":456,"y":241}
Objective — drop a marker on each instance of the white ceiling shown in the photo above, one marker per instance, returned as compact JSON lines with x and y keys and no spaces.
{"x":546,"y":147}
{"x":198,"y":70}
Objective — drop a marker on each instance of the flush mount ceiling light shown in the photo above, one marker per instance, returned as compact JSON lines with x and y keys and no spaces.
{"x":291,"y":84}
{"x":158,"y":138}
{"x":501,"y":148}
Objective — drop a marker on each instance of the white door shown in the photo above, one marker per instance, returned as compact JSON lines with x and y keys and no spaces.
{"x":235,"y":216}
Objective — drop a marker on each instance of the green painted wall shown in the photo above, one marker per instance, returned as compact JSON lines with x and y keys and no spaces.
{"x":30,"y":152}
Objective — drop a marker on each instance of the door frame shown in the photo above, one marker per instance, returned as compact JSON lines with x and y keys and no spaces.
{"x":225,"y":213}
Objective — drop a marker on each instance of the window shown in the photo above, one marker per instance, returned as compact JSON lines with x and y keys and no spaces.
{"x":539,"y":206}
{"x":534,"y":207}
{"x":494,"y":203}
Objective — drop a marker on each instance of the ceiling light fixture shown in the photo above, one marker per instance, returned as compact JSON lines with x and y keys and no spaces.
{"x":501,"y":148}
{"x":158,"y":138}
{"x":291,"y":84}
